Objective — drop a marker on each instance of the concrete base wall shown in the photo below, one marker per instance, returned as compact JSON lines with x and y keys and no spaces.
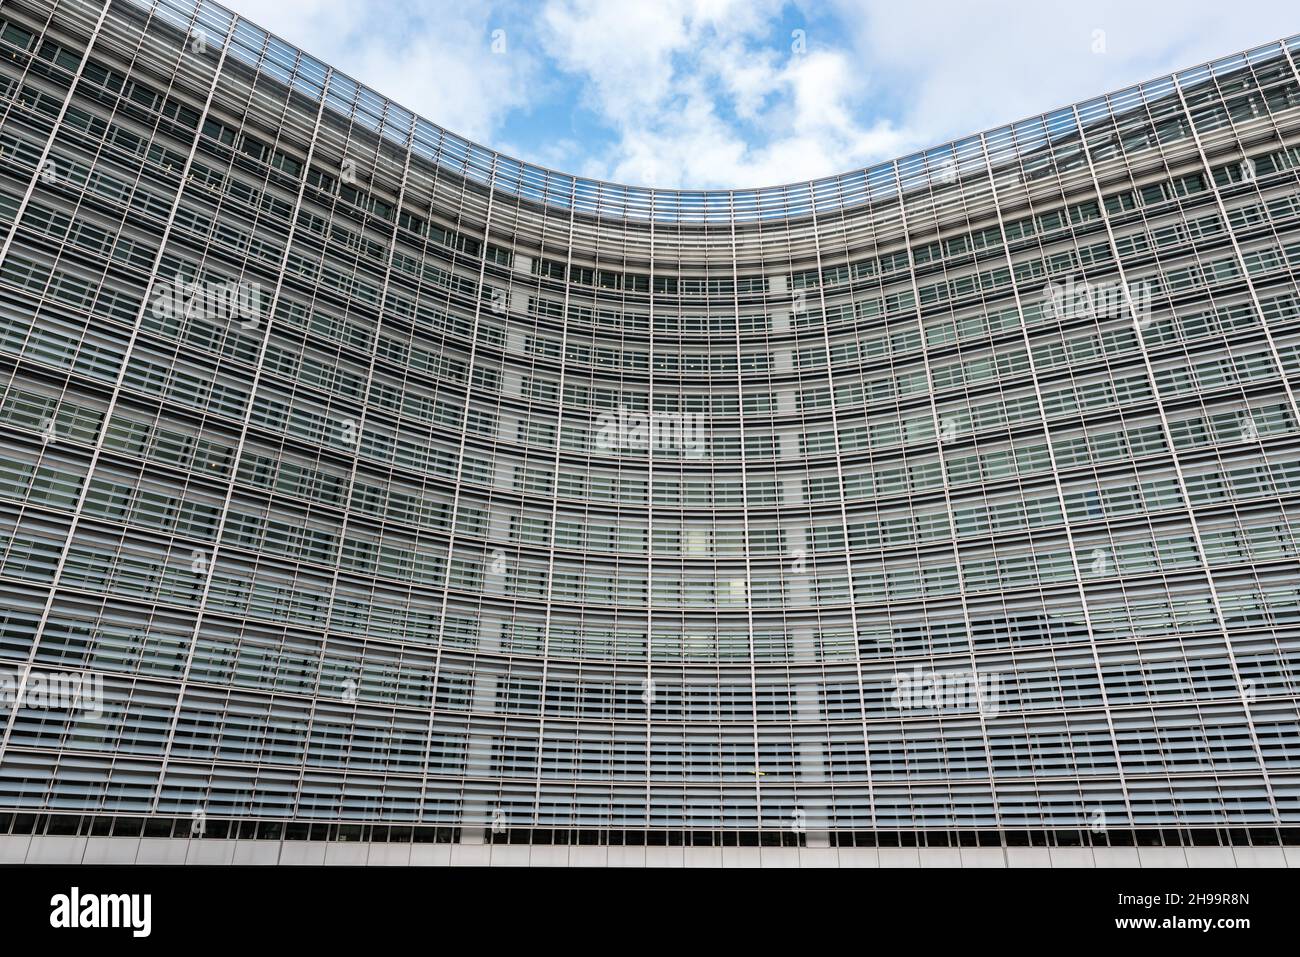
{"x":47,"y":849}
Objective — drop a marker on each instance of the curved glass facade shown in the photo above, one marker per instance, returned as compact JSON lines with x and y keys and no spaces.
{"x":357,"y":476}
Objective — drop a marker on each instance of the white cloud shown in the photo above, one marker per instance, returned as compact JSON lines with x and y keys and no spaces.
{"x":956,"y":67}
{"x":697,"y":96}
{"x":435,"y":58}
{"x":705,"y":93}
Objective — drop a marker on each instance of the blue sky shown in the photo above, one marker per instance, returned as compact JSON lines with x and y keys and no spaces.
{"x":741,"y":93}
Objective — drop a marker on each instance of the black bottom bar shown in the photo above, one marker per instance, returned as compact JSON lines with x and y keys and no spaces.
{"x":294,"y":906}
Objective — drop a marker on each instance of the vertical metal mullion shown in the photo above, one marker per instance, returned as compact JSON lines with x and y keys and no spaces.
{"x":939,"y":430}
{"x":851,"y":579}
{"x":758,"y":772}
{"x":453,"y":512}
{"x":237,"y":455}
{"x":12,"y":106}
{"x":78,"y":509}
{"x":1193,"y":525}
{"x":555,"y":506}
{"x":649,"y":695}
{"x":360,"y":429}
{"x":1236,"y":246}
{"x":1056,"y":480}
{"x":1283,"y":378}
{"x":55,"y":129}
